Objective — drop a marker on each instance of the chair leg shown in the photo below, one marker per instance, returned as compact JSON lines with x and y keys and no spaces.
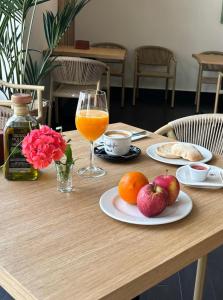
{"x":108,"y":84}
{"x":108,"y":98}
{"x":50,"y":104}
{"x":134,"y":90}
{"x":217,"y":94}
{"x":200,"y":277}
{"x":198,"y":92}
{"x":137,"y":87}
{"x":166,"y":91}
{"x":57,"y":110}
{"x":123,"y":92}
{"x":173,"y":92}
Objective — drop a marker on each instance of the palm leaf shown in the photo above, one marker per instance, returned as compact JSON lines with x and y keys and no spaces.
{"x":18,"y":9}
{"x":56,"y":25}
{"x":4,"y":19}
{"x":16,"y":62}
{"x":37,"y":70}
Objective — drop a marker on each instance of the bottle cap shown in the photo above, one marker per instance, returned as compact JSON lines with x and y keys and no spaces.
{"x":21,"y":98}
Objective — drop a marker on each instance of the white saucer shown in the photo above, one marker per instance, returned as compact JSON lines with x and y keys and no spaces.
{"x":113,"y":206}
{"x":213,"y":180}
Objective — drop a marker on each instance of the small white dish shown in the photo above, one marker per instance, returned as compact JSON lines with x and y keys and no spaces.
{"x":213,"y":180}
{"x":113,"y":206}
{"x":151,"y":152}
{"x":198,"y":171}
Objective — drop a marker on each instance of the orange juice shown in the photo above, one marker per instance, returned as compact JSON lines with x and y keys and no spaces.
{"x":91,"y":123}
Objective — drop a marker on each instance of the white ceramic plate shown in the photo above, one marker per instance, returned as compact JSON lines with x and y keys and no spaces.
{"x":213,"y":180}
{"x":113,"y":206}
{"x":151,"y":151}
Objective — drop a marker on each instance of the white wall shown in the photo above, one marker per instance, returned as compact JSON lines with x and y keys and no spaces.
{"x":37,"y":40}
{"x":185,"y":26}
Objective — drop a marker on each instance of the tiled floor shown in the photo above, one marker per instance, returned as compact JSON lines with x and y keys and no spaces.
{"x":180,"y":286}
{"x":150,"y":113}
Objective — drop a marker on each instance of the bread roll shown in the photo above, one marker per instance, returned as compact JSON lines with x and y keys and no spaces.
{"x":186,"y":151}
{"x":179,"y":150}
{"x":166,"y":151}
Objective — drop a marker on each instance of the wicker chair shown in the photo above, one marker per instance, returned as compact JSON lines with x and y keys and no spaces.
{"x":5,"y":114}
{"x":205,"y":130}
{"x":39,"y":106}
{"x":203,"y":78}
{"x":154,"y":62}
{"x":219,"y":91}
{"x":117,"y":68}
{"x":73,"y":75}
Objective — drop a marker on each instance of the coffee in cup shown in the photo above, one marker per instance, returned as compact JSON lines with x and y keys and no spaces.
{"x":117,"y":142}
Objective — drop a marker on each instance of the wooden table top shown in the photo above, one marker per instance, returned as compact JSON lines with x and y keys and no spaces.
{"x":57,"y":246}
{"x":210,"y":59}
{"x":92,"y":52}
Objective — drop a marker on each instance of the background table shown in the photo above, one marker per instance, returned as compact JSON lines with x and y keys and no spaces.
{"x":209,"y":59}
{"x":62,"y":246}
{"x":92,"y":52}
{"x":215,"y":62}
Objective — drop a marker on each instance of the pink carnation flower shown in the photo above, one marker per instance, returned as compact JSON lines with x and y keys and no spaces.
{"x":42,"y":146}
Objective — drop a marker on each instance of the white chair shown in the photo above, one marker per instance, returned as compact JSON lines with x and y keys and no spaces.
{"x":205,"y":130}
{"x":38,"y":107}
{"x":5,"y":114}
{"x":73,"y":75}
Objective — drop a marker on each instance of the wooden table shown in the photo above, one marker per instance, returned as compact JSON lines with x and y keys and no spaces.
{"x":215,"y":62}
{"x":56,"y":246}
{"x":92,"y":52}
{"x":209,"y":59}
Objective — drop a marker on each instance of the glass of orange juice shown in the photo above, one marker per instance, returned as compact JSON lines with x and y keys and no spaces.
{"x":91,"y":121}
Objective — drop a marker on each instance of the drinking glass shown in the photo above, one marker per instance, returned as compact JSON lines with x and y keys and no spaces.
{"x":91,"y":121}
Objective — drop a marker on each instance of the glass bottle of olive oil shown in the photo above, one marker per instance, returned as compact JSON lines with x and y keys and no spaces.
{"x":16,"y":167}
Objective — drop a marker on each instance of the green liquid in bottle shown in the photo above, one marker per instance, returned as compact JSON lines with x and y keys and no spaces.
{"x":16,"y":167}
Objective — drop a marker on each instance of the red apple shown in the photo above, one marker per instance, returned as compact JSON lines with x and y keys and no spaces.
{"x":171,"y":184}
{"x":151,"y":200}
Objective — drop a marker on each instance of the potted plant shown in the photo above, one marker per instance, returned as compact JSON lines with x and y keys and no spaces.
{"x":17,"y":64}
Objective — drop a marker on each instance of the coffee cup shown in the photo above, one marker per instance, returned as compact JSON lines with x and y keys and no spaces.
{"x":198,"y":171}
{"x":117,"y":142}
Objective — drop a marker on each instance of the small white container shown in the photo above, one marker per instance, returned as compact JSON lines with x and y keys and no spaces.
{"x":198,"y":171}
{"x":117,"y":142}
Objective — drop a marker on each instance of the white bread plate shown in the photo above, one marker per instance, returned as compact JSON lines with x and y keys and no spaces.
{"x":151,"y":152}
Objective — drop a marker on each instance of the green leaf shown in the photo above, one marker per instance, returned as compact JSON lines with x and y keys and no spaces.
{"x":56,"y":25}
{"x":16,"y":62}
{"x":18,"y":9}
{"x":37,"y":70}
{"x":68,"y":154}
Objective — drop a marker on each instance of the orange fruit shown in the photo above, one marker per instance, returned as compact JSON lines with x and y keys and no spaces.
{"x":130,"y":184}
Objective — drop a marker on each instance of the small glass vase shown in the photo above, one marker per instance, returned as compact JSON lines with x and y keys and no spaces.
{"x":64,"y":177}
